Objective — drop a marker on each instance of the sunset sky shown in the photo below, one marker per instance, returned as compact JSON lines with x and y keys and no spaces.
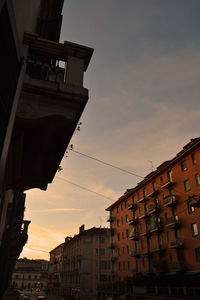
{"x":144,"y":106}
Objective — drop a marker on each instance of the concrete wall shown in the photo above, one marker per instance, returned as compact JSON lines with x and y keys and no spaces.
{"x":26,"y":14}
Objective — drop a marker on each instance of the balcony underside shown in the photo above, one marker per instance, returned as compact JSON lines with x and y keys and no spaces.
{"x":47,"y":116}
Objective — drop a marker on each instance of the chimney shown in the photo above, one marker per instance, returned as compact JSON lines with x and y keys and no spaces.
{"x":82,"y":228}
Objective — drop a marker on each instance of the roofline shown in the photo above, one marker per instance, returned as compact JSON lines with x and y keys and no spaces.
{"x":188,"y":148}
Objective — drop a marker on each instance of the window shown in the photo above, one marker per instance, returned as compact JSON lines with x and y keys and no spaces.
{"x":169,"y":176}
{"x":118,"y":250}
{"x":171,"y":192}
{"x":133,"y":199}
{"x":123,"y":250}
{"x":197,"y":253}
{"x":128,"y":265}
{"x":144,"y":192}
{"x":118,"y":236}
{"x":119,"y":266}
{"x":142,"y":244}
{"x":143,"y":262}
{"x":118,"y":209}
{"x":197,"y":178}
{"x":190,"y":208}
{"x":194,"y":229}
{"x":183,"y":165}
{"x":96,"y":250}
{"x":29,"y":276}
{"x":102,"y":251}
{"x":128,"y":249}
{"x":126,"y":205}
{"x":193,"y":159}
{"x":168,"y":237}
{"x":118,"y":222}
{"x":122,"y":235}
{"x":102,"y":239}
{"x":141,"y":226}
{"x":126,"y":218}
{"x":122,"y":221}
{"x":138,"y":196}
{"x":35,"y":276}
{"x":127,"y":233}
{"x":154,"y":186}
{"x":187,"y":185}
{"x":123,"y":265}
{"x":161,"y":180}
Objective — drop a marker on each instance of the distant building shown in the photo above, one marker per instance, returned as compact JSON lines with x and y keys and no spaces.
{"x":30,"y":273}
{"x":42,"y":98}
{"x":78,"y":265}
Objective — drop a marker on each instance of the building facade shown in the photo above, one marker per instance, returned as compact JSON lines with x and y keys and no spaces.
{"x":31,"y":274}
{"x":79,"y":264}
{"x":41,"y":100}
{"x":156,"y":224}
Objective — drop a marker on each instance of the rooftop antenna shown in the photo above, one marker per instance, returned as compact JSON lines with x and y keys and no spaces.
{"x":152,"y":167}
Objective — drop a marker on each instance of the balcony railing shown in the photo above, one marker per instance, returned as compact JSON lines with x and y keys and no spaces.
{"x":167,"y":184}
{"x":152,"y":193}
{"x":132,"y":206}
{"x":145,"y":231}
{"x":143,"y":199}
{"x":153,"y":208}
{"x":157,"y":248}
{"x":176,"y":244}
{"x":134,"y":236}
{"x":156,"y":228}
{"x":169,"y":201}
{"x":132,"y":221}
{"x":135,"y":253}
{"x":143,"y":215}
{"x":44,"y":58}
{"x":173,"y":222}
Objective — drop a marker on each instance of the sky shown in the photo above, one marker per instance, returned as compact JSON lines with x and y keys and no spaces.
{"x":143,"y":82}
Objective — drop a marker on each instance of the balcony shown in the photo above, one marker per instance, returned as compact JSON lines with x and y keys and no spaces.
{"x":157,"y":249}
{"x":152,"y":193}
{"x":178,"y":266}
{"x":143,"y":215}
{"x":176,"y":244}
{"x":169,"y":201}
{"x":132,"y":221}
{"x":50,"y":105}
{"x":110,"y":219}
{"x":144,"y":199}
{"x":156,"y":228}
{"x":132,"y":206}
{"x":153,"y":209}
{"x":173,"y":222}
{"x":134,"y":236}
{"x":167,"y":184}
{"x":146,"y":231}
{"x":146,"y":252}
{"x":135,"y":253}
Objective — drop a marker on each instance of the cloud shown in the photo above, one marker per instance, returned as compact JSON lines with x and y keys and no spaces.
{"x":56,"y":210}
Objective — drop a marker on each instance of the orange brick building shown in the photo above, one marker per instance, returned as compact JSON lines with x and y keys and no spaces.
{"x":155,"y":228}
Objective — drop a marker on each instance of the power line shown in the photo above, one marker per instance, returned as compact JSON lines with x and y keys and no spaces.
{"x":84,"y":188}
{"x":36,"y":249}
{"x":118,"y":168}
{"x":107,"y":164}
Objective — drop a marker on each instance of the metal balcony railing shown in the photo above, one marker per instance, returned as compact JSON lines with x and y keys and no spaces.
{"x":173,"y":222}
{"x":169,"y":200}
{"x":167,"y":184}
{"x":176,"y":244}
{"x":153,"y":208}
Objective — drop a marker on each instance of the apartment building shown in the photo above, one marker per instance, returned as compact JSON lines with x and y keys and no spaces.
{"x":79,"y":264}
{"x":30,"y":274}
{"x":42,"y":98}
{"x":156,"y":225}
